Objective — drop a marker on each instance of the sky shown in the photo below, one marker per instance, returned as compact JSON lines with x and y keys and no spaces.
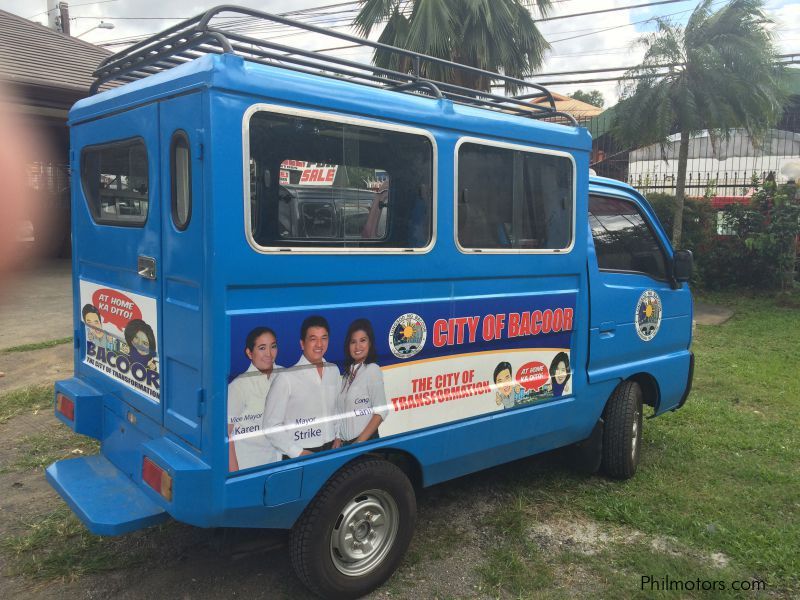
{"x":613,"y":47}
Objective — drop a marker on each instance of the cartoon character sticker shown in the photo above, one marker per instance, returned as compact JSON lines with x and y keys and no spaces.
{"x":559,"y":374}
{"x":120,"y":336}
{"x":648,"y":315}
{"x":509,"y":393}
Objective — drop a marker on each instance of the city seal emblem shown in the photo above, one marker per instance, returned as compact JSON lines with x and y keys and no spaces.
{"x":407,"y":335}
{"x":648,"y":315}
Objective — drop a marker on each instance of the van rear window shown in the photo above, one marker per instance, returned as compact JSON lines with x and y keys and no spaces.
{"x":514,"y":200}
{"x":115,"y":182}
{"x":322,"y":184}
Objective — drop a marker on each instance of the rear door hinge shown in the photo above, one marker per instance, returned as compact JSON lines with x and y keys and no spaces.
{"x":201,"y":402}
{"x":198,"y":145}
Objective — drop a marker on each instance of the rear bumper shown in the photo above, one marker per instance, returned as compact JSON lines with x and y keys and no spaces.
{"x":107,"y":492}
{"x":105,"y":499}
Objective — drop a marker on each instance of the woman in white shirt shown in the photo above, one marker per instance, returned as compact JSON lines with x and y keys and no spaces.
{"x":361,"y":404}
{"x":247,"y":395}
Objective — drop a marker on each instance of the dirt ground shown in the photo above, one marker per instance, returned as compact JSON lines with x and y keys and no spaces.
{"x":179,"y":561}
{"x":187,"y":562}
{"x":36,"y":304}
{"x":36,"y":367}
{"x":451,"y":542}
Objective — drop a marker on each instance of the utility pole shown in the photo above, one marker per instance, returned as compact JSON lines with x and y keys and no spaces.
{"x":63,"y":9}
{"x":58,"y":16}
{"x":53,"y":15}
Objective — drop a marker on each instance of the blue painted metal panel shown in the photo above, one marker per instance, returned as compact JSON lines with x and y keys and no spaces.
{"x":183,"y":274}
{"x":255,"y":284}
{"x":106,"y":500}
{"x":107,"y":255}
{"x":616,"y":350}
{"x":193,"y":500}
{"x":283,"y":487}
{"x":88,"y":407}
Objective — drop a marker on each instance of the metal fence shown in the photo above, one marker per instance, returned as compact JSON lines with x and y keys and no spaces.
{"x":724,"y":166}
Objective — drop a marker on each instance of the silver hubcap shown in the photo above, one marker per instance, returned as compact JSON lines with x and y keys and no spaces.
{"x":635,"y":435}
{"x":364,"y":533}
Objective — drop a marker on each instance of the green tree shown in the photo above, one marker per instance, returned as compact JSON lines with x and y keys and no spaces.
{"x":720,"y":74}
{"x":593,"y":97}
{"x":494,"y":35}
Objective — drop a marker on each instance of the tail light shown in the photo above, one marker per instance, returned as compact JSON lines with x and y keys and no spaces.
{"x":65,"y":406}
{"x":157,"y":478}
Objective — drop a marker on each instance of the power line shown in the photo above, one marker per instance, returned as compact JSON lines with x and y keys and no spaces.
{"x":594,"y":12}
{"x":628,"y":68}
{"x":240,"y":24}
{"x":312,"y":12}
{"x":631,"y":24}
{"x":607,"y":10}
{"x":622,"y":77}
{"x":44,"y":12}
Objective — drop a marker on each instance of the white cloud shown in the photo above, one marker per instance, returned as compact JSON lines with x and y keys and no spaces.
{"x":605,"y":49}
{"x":610,"y":48}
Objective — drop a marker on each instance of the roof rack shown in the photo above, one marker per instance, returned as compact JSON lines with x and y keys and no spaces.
{"x":195,"y":37}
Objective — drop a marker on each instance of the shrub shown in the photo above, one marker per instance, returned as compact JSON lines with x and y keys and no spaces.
{"x":762,"y":250}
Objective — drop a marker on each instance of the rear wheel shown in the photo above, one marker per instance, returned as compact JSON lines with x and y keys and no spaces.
{"x":622,"y":433}
{"x":354,"y":533}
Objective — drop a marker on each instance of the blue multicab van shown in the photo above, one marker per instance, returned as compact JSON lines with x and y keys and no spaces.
{"x":305,"y":286}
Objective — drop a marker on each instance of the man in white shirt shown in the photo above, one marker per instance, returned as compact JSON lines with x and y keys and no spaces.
{"x":298,"y":419}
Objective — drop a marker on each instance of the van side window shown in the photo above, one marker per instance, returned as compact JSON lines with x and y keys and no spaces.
{"x":623,"y":240}
{"x":316,"y":183}
{"x":115,"y":182}
{"x":181,"y":180}
{"x":512,"y":199}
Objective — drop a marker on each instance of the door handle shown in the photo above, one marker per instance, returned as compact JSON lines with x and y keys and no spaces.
{"x":607,"y":329}
{"x":146,"y":265}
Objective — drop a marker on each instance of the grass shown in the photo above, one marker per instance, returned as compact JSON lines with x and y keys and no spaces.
{"x":37,"y":451}
{"x":37,"y":345}
{"x":28,"y":399}
{"x":519,"y":570}
{"x":722,"y":475}
{"x":638,"y":570}
{"x":58,"y":546}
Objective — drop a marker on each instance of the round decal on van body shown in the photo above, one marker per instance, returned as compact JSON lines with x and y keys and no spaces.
{"x":648,"y":315}
{"x":407,"y":335}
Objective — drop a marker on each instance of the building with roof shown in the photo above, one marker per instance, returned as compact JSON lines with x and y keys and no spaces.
{"x":725,"y":165}
{"x":582,"y":111}
{"x":49,"y":70}
{"x":46,"y":72}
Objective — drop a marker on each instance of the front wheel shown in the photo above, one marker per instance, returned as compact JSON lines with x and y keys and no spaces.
{"x":354,"y":533}
{"x":622,"y":433}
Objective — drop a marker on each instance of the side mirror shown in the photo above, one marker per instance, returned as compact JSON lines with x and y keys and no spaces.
{"x":682,"y":263}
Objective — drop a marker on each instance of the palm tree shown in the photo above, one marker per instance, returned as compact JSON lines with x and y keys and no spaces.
{"x":720,"y":74}
{"x":494,"y":35}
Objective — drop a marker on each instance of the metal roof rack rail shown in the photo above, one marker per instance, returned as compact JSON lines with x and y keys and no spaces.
{"x":195,"y":37}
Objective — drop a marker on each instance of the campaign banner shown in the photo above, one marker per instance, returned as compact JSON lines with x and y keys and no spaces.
{"x":309,"y":381}
{"x":120,"y":338}
{"x":435,"y":392}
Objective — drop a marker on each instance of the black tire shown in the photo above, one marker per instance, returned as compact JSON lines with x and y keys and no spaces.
{"x":622,"y":433}
{"x":374,"y":500}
